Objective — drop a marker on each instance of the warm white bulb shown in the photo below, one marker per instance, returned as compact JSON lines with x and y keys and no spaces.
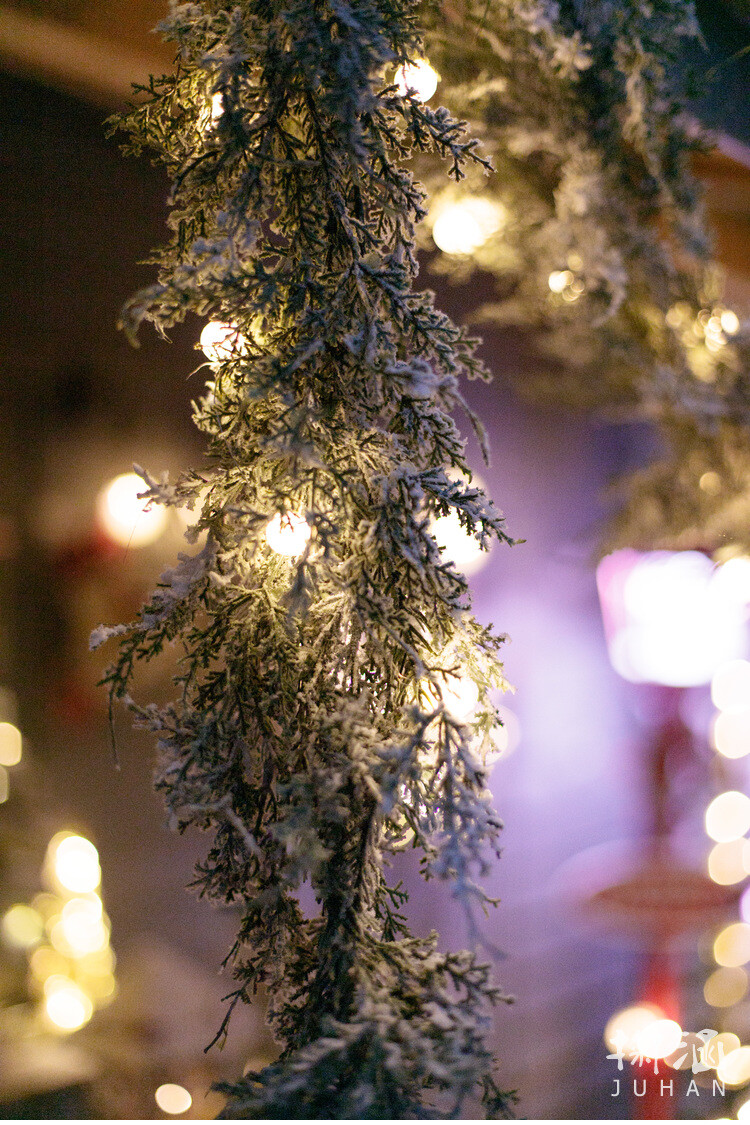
{"x":127,"y":519}
{"x":288,"y":534}
{"x":731,"y":733}
{"x":730,"y":686}
{"x":75,"y":863}
{"x":559,"y":280}
{"x":81,"y":929}
{"x":457,"y":544}
{"x":173,"y":1099}
{"x":462,"y":227}
{"x":217,"y":107}
{"x":730,"y":322}
{"x":458,"y":694}
{"x":22,"y":926}
{"x":220,"y":341}
{"x":66,"y":1005}
{"x":11,"y":745}
{"x":728,"y":816}
{"x":626,"y":1025}
{"x":419,"y":78}
{"x":658,"y":1039}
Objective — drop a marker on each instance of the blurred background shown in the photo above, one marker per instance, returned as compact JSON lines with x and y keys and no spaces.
{"x":109,"y":971}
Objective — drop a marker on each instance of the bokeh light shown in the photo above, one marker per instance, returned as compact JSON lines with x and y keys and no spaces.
{"x":728,"y":816}
{"x":127,"y":519}
{"x":458,"y":545}
{"x":625,"y":1026}
{"x":734,"y":1069}
{"x":288,"y":534}
{"x":22,"y":926}
{"x":74,"y":862}
{"x":730,"y":733}
{"x":725,"y":987}
{"x":730,"y":686}
{"x":717,"y":1048}
{"x":658,"y":1038}
{"x":11,"y":745}
{"x":464,"y":225}
{"x":4,"y":785}
{"x":220,"y":341}
{"x":173,"y":1099}
{"x":66,"y":1005}
{"x":732,"y":945}
{"x":419,"y":78}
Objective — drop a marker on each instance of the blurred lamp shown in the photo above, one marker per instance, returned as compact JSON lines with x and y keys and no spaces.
{"x":671,"y":617}
{"x":125,"y":517}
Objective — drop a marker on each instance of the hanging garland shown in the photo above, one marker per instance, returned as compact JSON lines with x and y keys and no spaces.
{"x":594,"y":231}
{"x":333,"y":685}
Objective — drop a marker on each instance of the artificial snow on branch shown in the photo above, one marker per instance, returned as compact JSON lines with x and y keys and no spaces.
{"x":321,"y":719}
{"x":599,"y":243}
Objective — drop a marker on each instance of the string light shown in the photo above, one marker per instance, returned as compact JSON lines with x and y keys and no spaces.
{"x":457,"y":544}
{"x":624,"y":1027}
{"x":732,"y":946}
{"x":730,"y":686}
{"x":734,"y":1068}
{"x":81,"y":928}
{"x":74,"y":862}
{"x":728,"y":816}
{"x":22,"y":926}
{"x":220,"y":341}
{"x":718,"y":1047}
{"x":658,"y":1039}
{"x":461,"y":227}
{"x":288,"y":534}
{"x":66,"y":1005}
{"x":458,"y":694}
{"x":417,"y":78}
{"x":725,"y":987}
{"x":173,"y":1099}
{"x":125,"y":517}
{"x":731,"y":733}
{"x":11,"y":745}
{"x":727,"y":863}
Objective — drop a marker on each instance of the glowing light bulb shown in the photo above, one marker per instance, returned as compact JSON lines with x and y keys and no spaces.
{"x":66,"y":1005}
{"x":127,"y":519}
{"x":458,"y":545}
{"x":217,"y":107}
{"x":220,"y":341}
{"x":22,"y":926}
{"x":658,"y":1039}
{"x":559,"y":280}
{"x":718,"y":1047}
{"x":173,"y":1099}
{"x":459,"y":695}
{"x":462,"y":227}
{"x":730,"y":322}
{"x":732,"y":946}
{"x":725,"y":987}
{"x":46,"y":962}
{"x":81,"y":929}
{"x":288,"y":534}
{"x":418,"y":78}
{"x":727,"y":862}
{"x":730,"y":686}
{"x":505,"y":738}
{"x":734,"y":1069}
{"x":731,"y":733}
{"x":11,"y":745}
{"x":728,"y":816}
{"x":75,"y":862}
{"x":625,"y":1026}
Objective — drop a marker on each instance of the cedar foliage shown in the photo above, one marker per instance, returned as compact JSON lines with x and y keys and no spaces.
{"x":312,"y":732}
